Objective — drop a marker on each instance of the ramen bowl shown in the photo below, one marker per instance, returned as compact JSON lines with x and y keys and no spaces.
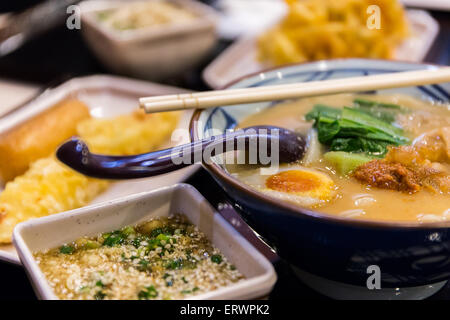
{"x":337,"y":256}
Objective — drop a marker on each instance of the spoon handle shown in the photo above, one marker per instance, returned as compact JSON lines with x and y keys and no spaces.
{"x":261,"y":143}
{"x":75,"y":153}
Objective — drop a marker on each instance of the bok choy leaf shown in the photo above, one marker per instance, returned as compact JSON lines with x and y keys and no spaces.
{"x":354,"y":130}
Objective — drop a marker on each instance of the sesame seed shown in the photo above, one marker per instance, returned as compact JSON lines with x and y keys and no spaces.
{"x":180,"y":262}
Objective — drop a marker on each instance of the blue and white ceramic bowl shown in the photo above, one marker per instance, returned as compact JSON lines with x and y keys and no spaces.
{"x":328,"y":252}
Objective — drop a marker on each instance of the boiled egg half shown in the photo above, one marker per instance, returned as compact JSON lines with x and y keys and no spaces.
{"x":297,"y":184}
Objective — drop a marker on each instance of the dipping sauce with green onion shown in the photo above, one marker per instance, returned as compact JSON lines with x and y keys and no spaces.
{"x":164,"y":258}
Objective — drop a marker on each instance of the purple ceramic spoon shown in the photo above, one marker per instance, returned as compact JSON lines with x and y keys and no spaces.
{"x":76,"y":154}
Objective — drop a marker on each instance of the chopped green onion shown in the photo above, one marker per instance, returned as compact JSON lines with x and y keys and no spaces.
{"x":66,"y":249}
{"x":100,"y":295}
{"x":148,"y":293}
{"x":216,"y":258}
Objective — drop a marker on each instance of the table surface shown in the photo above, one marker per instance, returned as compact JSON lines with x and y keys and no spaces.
{"x":61,"y":54}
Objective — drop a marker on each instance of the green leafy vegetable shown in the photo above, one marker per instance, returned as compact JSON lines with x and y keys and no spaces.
{"x":383,"y":111}
{"x":360,"y":145}
{"x":370,"y":103}
{"x":373,"y":124}
{"x":323,"y":111}
{"x":350,"y":129}
{"x":354,"y":130}
{"x":327,"y":130}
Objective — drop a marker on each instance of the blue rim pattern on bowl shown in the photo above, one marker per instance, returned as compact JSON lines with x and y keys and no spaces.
{"x":221,"y":118}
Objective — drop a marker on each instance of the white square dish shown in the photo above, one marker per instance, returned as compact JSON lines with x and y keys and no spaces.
{"x":105,"y":96}
{"x":152,"y":53}
{"x":52,"y":231}
{"x":13,"y":94}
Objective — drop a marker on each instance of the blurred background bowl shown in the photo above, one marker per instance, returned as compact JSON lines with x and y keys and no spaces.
{"x":152,"y":53}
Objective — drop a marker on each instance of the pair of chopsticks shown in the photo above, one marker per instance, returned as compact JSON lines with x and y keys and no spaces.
{"x":209,"y":99}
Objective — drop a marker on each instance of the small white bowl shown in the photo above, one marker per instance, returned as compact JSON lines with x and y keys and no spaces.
{"x":152,"y":53}
{"x":53,"y":231}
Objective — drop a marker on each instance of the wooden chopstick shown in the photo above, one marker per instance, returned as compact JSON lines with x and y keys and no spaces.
{"x":208,"y":99}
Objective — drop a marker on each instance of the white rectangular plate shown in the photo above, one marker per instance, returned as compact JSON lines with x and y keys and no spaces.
{"x":241,"y":58}
{"x":13,"y":94}
{"x":106,"y":96}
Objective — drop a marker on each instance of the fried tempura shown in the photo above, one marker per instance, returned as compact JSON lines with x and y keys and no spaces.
{"x":49,"y":187}
{"x":38,"y":137}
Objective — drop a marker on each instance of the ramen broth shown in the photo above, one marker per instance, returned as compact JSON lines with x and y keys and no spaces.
{"x":352,"y":198}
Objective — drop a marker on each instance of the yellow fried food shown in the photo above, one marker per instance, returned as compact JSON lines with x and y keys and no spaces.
{"x":324,"y":29}
{"x":38,"y":137}
{"x":49,"y":187}
{"x":128,"y":134}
